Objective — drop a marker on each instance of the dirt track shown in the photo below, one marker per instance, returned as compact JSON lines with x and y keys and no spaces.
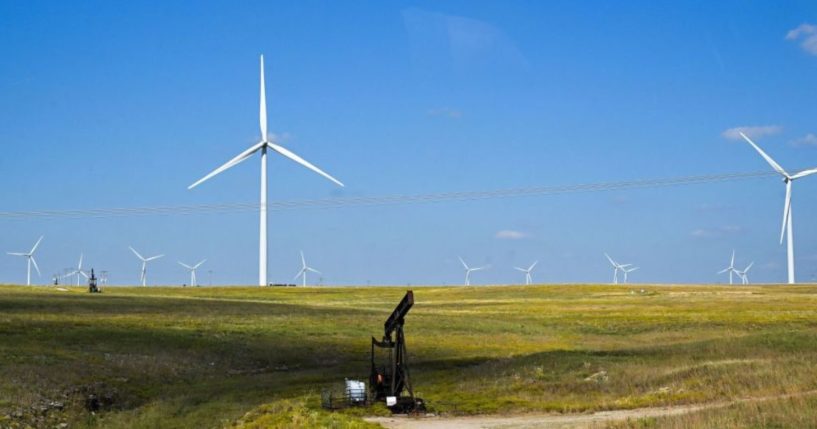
{"x":554,"y":421}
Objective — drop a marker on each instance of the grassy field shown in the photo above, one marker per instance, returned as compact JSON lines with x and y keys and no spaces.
{"x":258,"y":357}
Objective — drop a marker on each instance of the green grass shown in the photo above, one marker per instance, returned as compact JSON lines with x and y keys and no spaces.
{"x":258,"y":357}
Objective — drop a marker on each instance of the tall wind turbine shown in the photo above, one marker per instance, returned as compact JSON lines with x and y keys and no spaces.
{"x":528,"y":278}
{"x":263,"y":144}
{"x":627,"y":271}
{"x":468,"y":271}
{"x":143,"y":275}
{"x":787,"y":179}
{"x":730,"y":269}
{"x":744,"y":277}
{"x":78,"y":271}
{"x":304,"y":269}
{"x":192,"y":270}
{"x":30,"y":257}
{"x":616,"y":268}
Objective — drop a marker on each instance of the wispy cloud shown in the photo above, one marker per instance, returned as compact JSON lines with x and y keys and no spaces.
{"x":445,"y":112}
{"x":753,"y":131}
{"x":509,"y":234}
{"x":806,"y":34}
{"x":717,"y":232}
{"x":807,"y":140}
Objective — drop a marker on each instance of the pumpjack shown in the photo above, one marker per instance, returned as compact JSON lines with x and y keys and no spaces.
{"x":389,"y":380}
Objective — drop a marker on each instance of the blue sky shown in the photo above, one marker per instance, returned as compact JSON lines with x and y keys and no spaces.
{"x":125,"y":104}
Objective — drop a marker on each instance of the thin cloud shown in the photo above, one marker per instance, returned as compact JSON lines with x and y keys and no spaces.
{"x":806,"y":34}
{"x":509,"y":234}
{"x":753,"y":132}
{"x":807,"y":140}
{"x":445,"y":112}
{"x":718,"y":232}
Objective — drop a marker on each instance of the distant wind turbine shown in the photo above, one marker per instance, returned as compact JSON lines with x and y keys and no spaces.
{"x":304,"y":269}
{"x":78,"y":271}
{"x":730,"y":269}
{"x":744,"y":277}
{"x":616,"y":268}
{"x":787,"y":179}
{"x":31,"y":260}
{"x":627,"y":271}
{"x":192,"y":270}
{"x":263,"y":144}
{"x":143,"y":275}
{"x":528,"y":278}
{"x":468,"y":271}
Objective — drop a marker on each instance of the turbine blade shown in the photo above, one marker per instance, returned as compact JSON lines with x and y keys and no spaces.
{"x":34,"y":261}
{"x":533,"y":265}
{"x":463,"y":263}
{"x":79,"y":267}
{"x":804,"y":173}
{"x":768,"y":159}
{"x":746,"y":270}
{"x":136,"y":253}
{"x":786,"y":211}
{"x":303,"y":260}
{"x":231,"y":163}
{"x":289,"y":154}
{"x":262,"y":109}
{"x":732,"y":262}
{"x":84,"y":274}
{"x":153,"y":257}
{"x":185,"y":265}
{"x":299,"y":274}
{"x":33,"y":249}
{"x":611,"y":260}
{"x":199,"y":264}
{"x":723,"y":270}
{"x":520,"y":269}
{"x":17,"y":253}
{"x":313,"y":270}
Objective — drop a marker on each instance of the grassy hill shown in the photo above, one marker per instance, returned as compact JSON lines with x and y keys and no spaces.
{"x":258,"y":357}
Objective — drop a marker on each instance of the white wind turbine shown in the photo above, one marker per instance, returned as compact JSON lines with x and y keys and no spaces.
{"x":78,"y":271}
{"x":787,"y":179}
{"x":143,"y":275}
{"x":468,"y":271}
{"x":263,"y":144}
{"x":616,"y":268}
{"x":627,"y":271}
{"x":528,"y":278}
{"x":730,"y":269}
{"x":30,"y":257}
{"x":744,"y":278}
{"x":304,"y":269}
{"x":192,"y":270}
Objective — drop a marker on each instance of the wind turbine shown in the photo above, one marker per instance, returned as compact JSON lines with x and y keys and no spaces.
{"x":192,"y":270}
{"x":528,"y":278}
{"x":744,"y":278}
{"x":616,"y":268}
{"x":731,"y":268}
{"x":263,"y":144}
{"x":304,"y":269}
{"x":30,"y":257}
{"x":78,"y":271}
{"x":787,"y":179}
{"x":143,"y":275}
{"x":468,"y":271}
{"x":627,"y":271}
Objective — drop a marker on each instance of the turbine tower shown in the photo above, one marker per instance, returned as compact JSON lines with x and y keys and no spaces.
{"x":744,"y":278}
{"x":528,"y":278}
{"x":468,"y":271}
{"x":616,"y":268}
{"x":192,"y":270}
{"x":787,"y":179}
{"x":31,"y":260}
{"x":78,"y":271}
{"x":730,"y":269}
{"x":265,"y":143}
{"x":143,"y":275}
{"x":304,"y":269}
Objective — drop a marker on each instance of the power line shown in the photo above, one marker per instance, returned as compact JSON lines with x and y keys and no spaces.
{"x":325,"y":203}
